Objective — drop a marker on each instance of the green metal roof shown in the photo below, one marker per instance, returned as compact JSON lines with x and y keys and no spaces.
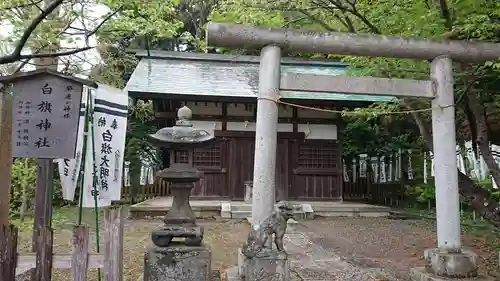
{"x":214,"y":75}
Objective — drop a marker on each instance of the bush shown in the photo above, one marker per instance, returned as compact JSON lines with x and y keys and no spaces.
{"x":424,"y":193}
{"x":24,"y":177}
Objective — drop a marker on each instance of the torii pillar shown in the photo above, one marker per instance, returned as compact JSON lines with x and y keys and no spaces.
{"x":266,"y":134}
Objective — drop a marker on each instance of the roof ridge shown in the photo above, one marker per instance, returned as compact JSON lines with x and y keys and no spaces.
{"x":235,"y":58}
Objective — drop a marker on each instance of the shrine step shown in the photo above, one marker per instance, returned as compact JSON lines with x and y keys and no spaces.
{"x":243,"y":211}
{"x":157,"y":207}
{"x":241,"y":214}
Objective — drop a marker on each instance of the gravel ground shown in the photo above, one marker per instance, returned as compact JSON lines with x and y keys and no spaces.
{"x":395,"y":245}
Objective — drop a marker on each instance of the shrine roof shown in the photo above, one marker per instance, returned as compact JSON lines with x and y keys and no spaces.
{"x":42,"y":72}
{"x":170,"y":75}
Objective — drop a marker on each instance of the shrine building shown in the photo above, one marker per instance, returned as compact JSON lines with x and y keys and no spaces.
{"x":221,"y":91}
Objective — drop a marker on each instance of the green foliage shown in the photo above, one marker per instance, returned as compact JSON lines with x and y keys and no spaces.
{"x":247,"y":12}
{"x":371,"y":138}
{"x":23,"y":177}
{"x":367,"y":130}
{"x":5,"y":49}
{"x":138,"y":148}
{"x":139,"y":126}
{"x":153,"y":18}
{"x":117,"y":68}
{"x":494,"y":194}
{"x":425,"y":192}
{"x":19,"y":14}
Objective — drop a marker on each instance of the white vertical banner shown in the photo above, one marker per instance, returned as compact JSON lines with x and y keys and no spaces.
{"x":396,"y":166}
{"x":495,"y":151}
{"x":483,"y":168}
{"x":383,"y":175}
{"x":425,"y":167}
{"x":103,"y":198}
{"x":110,"y":128}
{"x":390,"y":176}
{"x":374,"y":165}
{"x":363,"y":165}
{"x":143,"y":175}
{"x":471,"y":160}
{"x":110,"y":122}
{"x":432,"y":163}
{"x":410,"y":169}
{"x":126,"y":174}
{"x":151,"y":175}
{"x":354,"y":170}
{"x":399,"y":170}
{"x":460,"y":161}
{"x":69,"y":169}
{"x":477,"y":167}
{"x":344,"y":171}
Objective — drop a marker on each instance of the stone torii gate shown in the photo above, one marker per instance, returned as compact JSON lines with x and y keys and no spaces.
{"x":448,"y":259}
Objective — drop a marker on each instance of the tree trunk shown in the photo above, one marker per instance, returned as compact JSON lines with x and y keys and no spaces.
{"x":474,"y":194}
{"x":135,"y":184}
{"x":482,"y":139}
{"x":5,"y":153}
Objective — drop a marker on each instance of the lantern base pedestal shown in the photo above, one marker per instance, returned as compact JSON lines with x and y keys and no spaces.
{"x":193,"y":234}
{"x":178,"y":263}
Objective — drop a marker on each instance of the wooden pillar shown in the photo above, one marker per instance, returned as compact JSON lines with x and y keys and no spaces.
{"x":5,"y":153}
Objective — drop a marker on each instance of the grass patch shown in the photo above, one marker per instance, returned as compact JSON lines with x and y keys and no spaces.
{"x":470,"y":223}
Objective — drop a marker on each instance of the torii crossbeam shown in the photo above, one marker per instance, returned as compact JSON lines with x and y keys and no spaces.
{"x":449,"y":259}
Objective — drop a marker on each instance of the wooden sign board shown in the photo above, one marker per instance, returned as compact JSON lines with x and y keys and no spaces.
{"x":45,"y":116}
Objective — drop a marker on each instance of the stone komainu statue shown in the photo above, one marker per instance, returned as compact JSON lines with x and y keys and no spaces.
{"x":259,"y":234}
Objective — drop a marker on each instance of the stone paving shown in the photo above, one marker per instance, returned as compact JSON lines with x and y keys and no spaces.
{"x":314,"y":263}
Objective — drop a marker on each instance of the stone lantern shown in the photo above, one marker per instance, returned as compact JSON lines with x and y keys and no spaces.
{"x":188,"y":260}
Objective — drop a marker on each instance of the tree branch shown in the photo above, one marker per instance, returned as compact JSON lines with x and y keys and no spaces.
{"x":9,"y":59}
{"x":350,"y":25}
{"x":295,"y":20}
{"x":445,"y":14}
{"x":37,"y":6}
{"x":315,"y":19}
{"x":16,"y":54}
{"x":20,"y":6}
{"x":279,"y":8}
{"x":108,"y":17}
{"x":354,"y":11}
{"x":38,"y":50}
